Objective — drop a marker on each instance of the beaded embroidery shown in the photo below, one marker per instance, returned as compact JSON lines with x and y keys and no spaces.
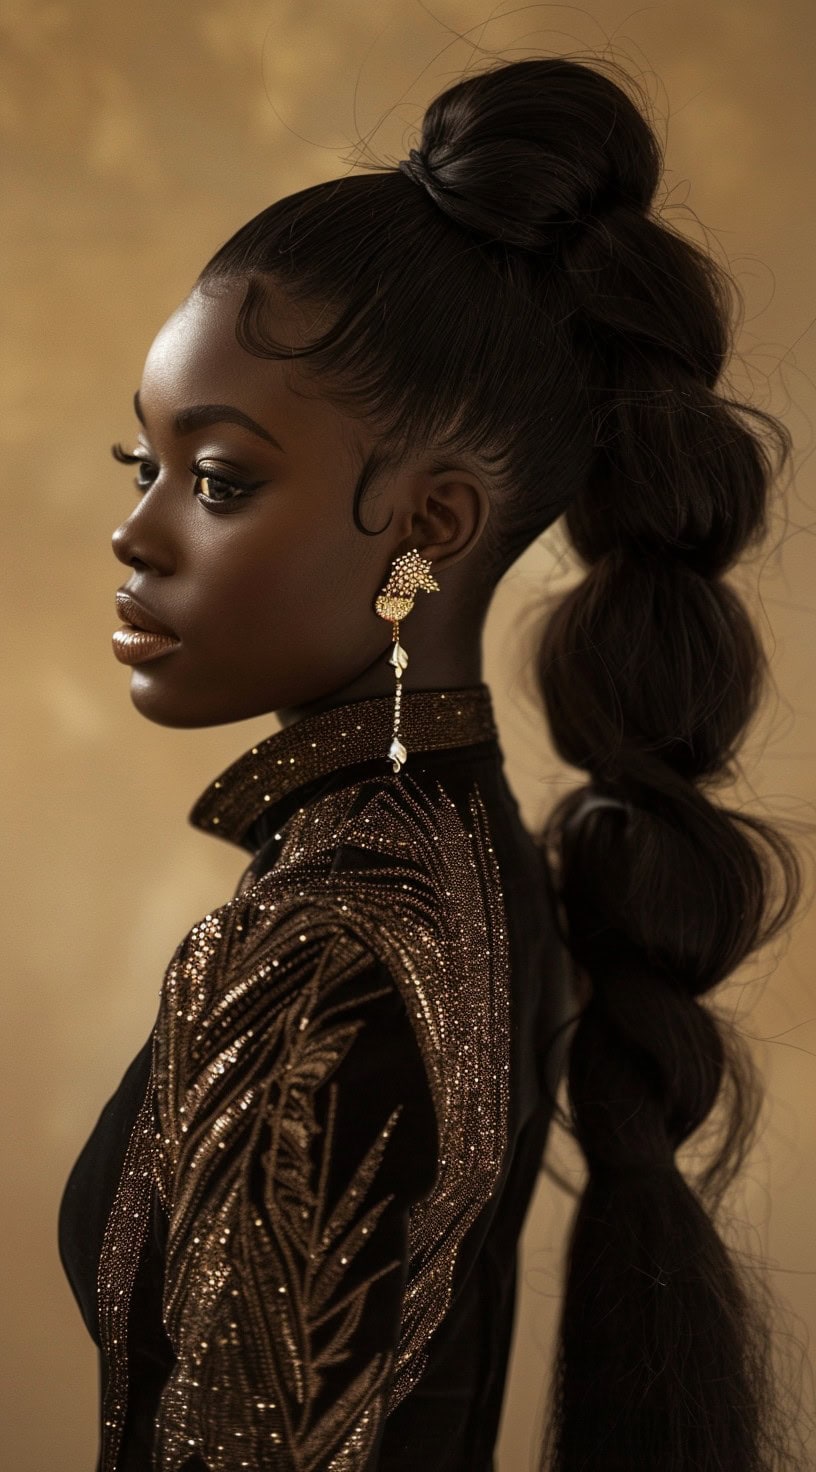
{"x":245,"y":1307}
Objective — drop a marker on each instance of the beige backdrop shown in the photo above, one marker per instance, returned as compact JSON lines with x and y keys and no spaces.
{"x":135,"y":139}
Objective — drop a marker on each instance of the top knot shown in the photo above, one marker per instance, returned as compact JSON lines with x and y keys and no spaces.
{"x":492,"y":218}
{"x":526,"y":154}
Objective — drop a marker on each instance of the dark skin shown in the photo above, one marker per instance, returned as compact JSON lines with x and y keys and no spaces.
{"x":273,"y":597}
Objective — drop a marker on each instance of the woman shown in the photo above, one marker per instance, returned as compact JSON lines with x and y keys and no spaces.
{"x":293,"y":1231}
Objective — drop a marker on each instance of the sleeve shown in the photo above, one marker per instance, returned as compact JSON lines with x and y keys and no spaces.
{"x":288,"y":1232}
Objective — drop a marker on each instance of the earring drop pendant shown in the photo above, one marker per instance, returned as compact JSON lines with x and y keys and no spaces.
{"x":398,"y":657}
{"x":397,"y":753}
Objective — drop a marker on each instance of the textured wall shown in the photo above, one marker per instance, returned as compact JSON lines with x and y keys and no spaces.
{"x":135,"y":139}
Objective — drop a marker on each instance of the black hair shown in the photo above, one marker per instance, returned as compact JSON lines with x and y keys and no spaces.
{"x":511,"y":297}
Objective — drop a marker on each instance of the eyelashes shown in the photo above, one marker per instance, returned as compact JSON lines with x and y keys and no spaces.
{"x":237,"y":490}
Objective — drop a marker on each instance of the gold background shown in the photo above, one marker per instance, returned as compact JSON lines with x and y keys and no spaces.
{"x":136,"y":139}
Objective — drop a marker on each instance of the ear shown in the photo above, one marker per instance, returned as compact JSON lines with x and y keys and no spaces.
{"x":449,"y":507}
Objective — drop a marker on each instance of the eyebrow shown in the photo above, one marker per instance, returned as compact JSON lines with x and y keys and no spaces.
{"x":198,"y":416}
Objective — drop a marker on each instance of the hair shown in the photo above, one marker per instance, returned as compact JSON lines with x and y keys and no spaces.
{"x":528,"y":312}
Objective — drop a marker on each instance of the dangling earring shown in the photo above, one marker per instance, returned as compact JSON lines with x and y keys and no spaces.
{"x":408,"y":572}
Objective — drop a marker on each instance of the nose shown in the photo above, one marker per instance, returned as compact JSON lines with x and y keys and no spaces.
{"x":138,"y":543}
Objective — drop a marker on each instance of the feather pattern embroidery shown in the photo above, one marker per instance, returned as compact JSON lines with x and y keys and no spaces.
{"x":265,"y":1325}
{"x":268,"y":1274}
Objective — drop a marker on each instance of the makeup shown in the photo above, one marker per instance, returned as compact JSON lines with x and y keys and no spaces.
{"x":134,"y":646}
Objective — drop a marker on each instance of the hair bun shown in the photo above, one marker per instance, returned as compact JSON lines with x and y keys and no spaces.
{"x":520,"y":154}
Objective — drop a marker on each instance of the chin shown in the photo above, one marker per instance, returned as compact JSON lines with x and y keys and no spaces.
{"x":172,"y":705}
{"x":169,"y":707}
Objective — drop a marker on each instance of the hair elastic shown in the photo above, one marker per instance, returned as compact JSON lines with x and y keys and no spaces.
{"x":593,"y":800}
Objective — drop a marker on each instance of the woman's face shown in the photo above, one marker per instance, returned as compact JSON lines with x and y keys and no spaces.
{"x":270,"y":593}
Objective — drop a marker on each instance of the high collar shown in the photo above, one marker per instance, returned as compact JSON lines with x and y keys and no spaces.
{"x":335,"y":738}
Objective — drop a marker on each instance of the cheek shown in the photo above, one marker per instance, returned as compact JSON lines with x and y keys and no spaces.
{"x":312,"y":595}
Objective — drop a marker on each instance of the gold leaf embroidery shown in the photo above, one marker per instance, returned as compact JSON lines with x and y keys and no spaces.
{"x":425,"y":899}
{"x":432,"y":909}
{"x":263,"y":1324}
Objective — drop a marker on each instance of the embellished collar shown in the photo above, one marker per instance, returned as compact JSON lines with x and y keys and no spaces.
{"x":316,"y":745}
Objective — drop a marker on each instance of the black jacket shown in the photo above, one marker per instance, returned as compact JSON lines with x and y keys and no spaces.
{"x":293,"y":1230}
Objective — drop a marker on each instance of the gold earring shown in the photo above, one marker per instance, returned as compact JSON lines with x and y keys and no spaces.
{"x":394,"y":602}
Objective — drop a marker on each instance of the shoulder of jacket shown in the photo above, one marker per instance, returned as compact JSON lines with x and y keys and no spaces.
{"x":390,"y":820}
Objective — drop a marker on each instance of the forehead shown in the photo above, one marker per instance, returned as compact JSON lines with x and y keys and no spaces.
{"x":195,"y":358}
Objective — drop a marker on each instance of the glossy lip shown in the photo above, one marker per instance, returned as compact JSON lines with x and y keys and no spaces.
{"x":135,"y":646}
{"x":138,"y":617}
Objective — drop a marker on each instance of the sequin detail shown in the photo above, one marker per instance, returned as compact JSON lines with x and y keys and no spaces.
{"x":433,"y":911}
{"x":318,"y":744}
{"x":383,"y":871}
{"x":258,"y":1304}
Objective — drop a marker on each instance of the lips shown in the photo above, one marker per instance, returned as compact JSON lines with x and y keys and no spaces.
{"x":134,"y":613}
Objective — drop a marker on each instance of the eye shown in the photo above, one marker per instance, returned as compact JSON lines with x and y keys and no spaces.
{"x":126,"y":458}
{"x":220,"y":490}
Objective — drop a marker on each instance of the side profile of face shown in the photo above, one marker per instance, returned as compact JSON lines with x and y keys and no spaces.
{"x":270,"y":590}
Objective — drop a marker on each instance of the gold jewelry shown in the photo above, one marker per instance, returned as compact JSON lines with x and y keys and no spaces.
{"x":394,"y":602}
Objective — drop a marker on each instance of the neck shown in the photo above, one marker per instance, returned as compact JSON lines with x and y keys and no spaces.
{"x":442,"y":668}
